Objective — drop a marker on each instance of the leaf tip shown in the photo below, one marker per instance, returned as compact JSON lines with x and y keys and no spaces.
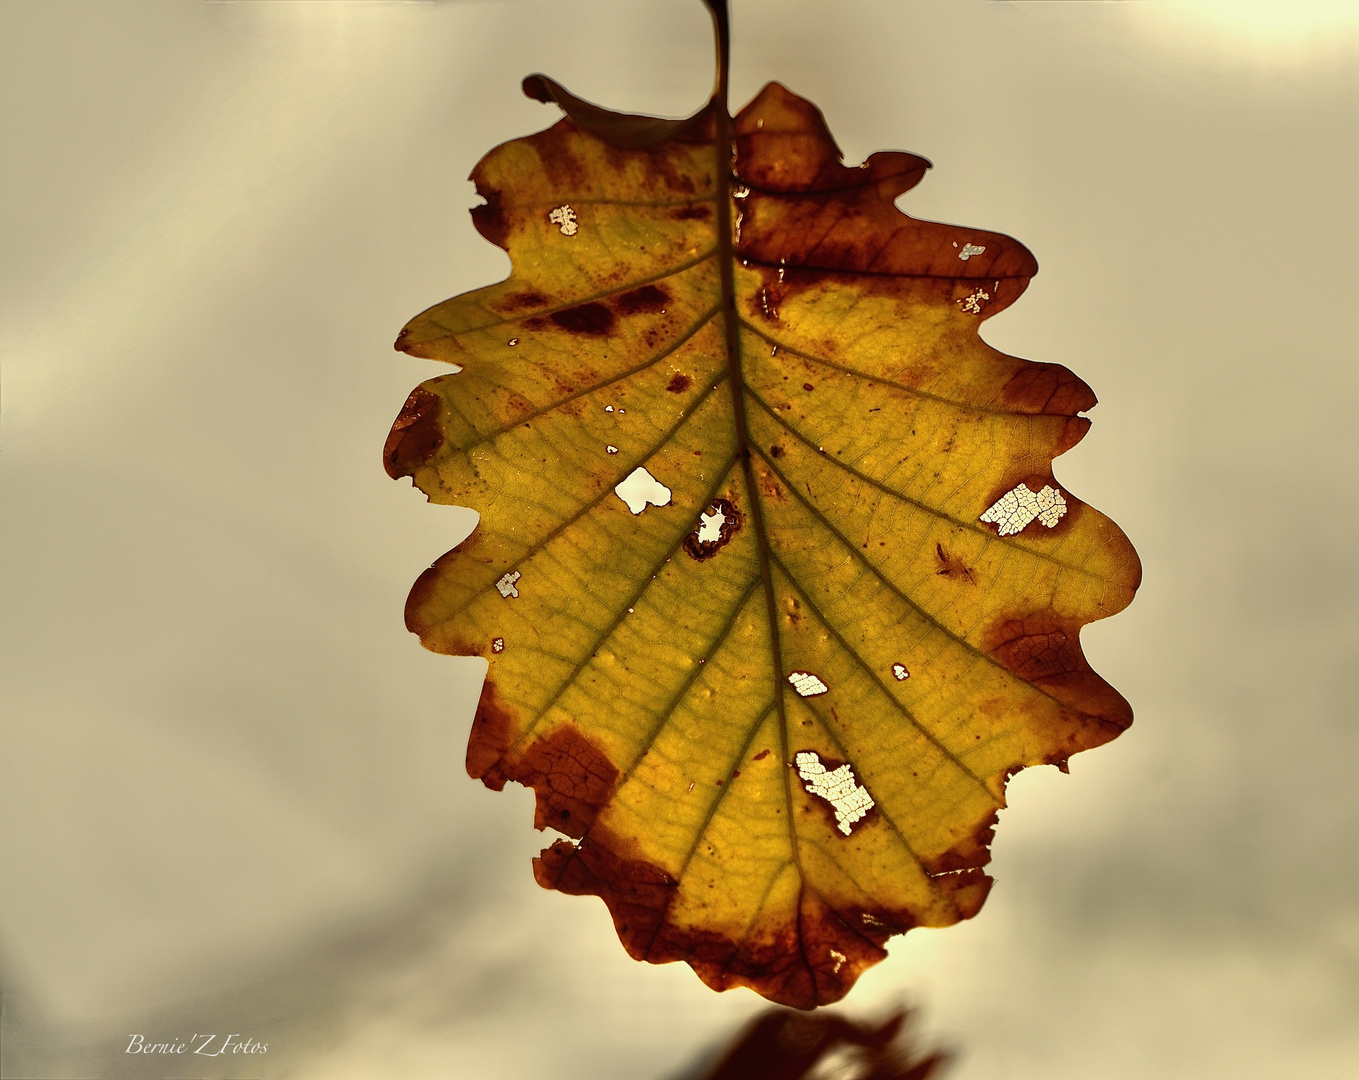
{"x":537,"y":87}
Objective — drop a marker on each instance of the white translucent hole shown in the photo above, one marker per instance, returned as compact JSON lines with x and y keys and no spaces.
{"x":838,"y":787}
{"x":1019,"y":506}
{"x":641,"y":489}
{"x":710,"y":526}
{"x":566,"y":218}
{"x":807,"y":684}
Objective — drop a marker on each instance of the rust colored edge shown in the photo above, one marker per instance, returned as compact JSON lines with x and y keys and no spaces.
{"x":795,"y":965}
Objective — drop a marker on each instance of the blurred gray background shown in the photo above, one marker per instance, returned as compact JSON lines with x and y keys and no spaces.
{"x":231,"y":784}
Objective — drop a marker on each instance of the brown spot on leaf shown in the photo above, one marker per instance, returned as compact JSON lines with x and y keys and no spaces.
{"x":1036,"y":650}
{"x":701,"y":212}
{"x":808,"y":387}
{"x":776,"y":451}
{"x":516,"y":303}
{"x":1073,"y":431}
{"x":647,"y":298}
{"x":950,"y":566}
{"x":679,"y":383}
{"x":760,"y":756}
{"x":416,"y":436}
{"x":593,"y":319}
{"x":732,"y":520}
{"x":571,"y":777}
{"x":769,"y":485}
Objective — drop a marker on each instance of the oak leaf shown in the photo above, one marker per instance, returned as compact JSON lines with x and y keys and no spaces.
{"x":772,"y":691}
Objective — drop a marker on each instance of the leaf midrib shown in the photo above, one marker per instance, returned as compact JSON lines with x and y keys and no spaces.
{"x":724,"y":154}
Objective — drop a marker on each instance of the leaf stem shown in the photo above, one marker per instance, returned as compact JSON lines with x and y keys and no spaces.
{"x":722,"y":27}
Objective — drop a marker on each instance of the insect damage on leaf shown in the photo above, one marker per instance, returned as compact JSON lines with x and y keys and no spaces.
{"x":848,"y":472}
{"x":837,"y":787}
{"x":807,"y":684}
{"x":1015,"y":509}
{"x":640,"y":489}
{"x":716,"y":526}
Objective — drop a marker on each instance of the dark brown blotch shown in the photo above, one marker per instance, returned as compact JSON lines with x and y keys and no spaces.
{"x":646,"y":298}
{"x":570,"y":775}
{"x":594,"y":320}
{"x":416,"y":435}
{"x":701,"y":212}
{"x":517,"y":303}
{"x":679,"y":382}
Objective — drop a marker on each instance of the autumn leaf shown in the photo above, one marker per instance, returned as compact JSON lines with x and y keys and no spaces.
{"x":773,"y":579}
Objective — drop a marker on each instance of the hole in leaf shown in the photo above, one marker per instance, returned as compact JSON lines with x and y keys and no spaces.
{"x":807,"y":684}
{"x":641,"y":489}
{"x":710,"y":526}
{"x":1019,"y":506}
{"x":715,"y":530}
{"x":838,"y":787}
{"x":505,"y":585}
{"x":565,"y":217}
{"x":972,"y":303}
